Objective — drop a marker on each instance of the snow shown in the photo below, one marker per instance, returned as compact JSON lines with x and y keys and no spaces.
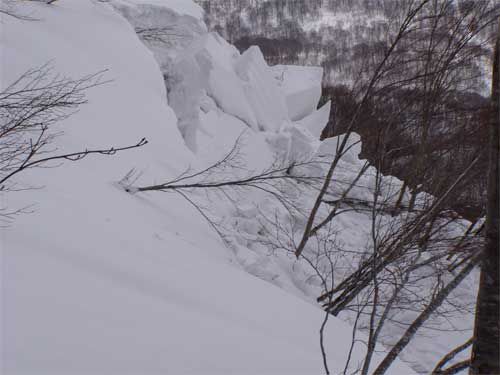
{"x":206,"y":69}
{"x":162,"y":26}
{"x":262,"y":93}
{"x":99,"y":281}
{"x":218,"y":124}
{"x":302,"y":86}
{"x":212,"y":70}
{"x":316,"y":121}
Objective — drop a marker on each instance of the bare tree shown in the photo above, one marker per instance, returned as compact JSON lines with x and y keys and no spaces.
{"x":231,"y":174}
{"x":424,"y":315}
{"x":32,"y":110}
{"x":428,"y":61}
{"x":453,"y":369}
{"x":378,"y":73}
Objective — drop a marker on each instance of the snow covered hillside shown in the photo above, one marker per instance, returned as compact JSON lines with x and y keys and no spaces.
{"x":96,"y":280}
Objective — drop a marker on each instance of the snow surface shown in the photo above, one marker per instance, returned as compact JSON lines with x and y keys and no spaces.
{"x":166,"y":25}
{"x":240,"y":85}
{"x":302,"y":86}
{"x":316,"y":120}
{"x":98,"y":281}
{"x":261,"y":90}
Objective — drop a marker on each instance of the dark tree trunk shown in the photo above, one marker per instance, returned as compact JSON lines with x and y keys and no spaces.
{"x":486,"y":348}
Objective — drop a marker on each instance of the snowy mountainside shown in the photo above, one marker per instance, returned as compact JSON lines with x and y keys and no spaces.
{"x":100,"y":281}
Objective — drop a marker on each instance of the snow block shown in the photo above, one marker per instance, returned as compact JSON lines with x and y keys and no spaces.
{"x":302,"y":144}
{"x":242,"y":86}
{"x":263,"y":94}
{"x":204,"y":69}
{"x":317,"y":120}
{"x":302,"y":87}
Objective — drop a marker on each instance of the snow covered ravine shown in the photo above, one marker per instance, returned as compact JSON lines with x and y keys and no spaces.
{"x":95,"y":280}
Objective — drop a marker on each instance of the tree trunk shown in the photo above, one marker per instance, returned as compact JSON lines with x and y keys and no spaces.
{"x":422,"y":318}
{"x":486,"y":348}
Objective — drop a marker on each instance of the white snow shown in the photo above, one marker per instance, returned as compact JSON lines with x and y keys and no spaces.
{"x":316,"y":121}
{"x":261,"y":90}
{"x":210,"y":69}
{"x":206,"y":68}
{"x":98,"y":281}
{"x":161,"y":26}
{"x":302,"y":86}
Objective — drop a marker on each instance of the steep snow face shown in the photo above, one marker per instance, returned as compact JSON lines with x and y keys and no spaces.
{"x":211,"y":74}
{"x":167,"y":29}
{"x":261,"y":90}
{"x":206,"y":69}
{"x":98,"y":281}
{"x":240,"y":85}
{"x":302,"y":86}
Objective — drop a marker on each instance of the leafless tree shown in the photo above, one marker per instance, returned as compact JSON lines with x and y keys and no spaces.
{"x":457,"y":367}
{"x":32,"y":111}
{"x":378,"y":73}
{"x":230,"y":174}
{"x":430,"y":58}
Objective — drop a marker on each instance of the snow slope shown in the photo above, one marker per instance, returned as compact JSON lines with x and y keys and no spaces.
{"x":98,"y":281}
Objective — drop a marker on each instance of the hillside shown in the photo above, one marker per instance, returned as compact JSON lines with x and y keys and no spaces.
{"x":102,"y":276}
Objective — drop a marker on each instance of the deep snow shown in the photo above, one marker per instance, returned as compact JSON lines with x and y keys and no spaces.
{"x":99,"y":281}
